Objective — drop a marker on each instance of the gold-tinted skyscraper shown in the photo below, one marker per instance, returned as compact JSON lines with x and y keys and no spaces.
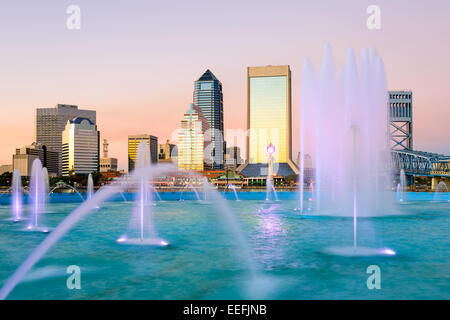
{"x":269,"y":120}
{"x":133,"y":143}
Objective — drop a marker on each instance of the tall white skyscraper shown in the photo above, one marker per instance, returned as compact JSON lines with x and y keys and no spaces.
{"x":80,"y":147}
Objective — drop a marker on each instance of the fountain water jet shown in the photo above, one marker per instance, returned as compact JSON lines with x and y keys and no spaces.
{"x":346,"y":122}
{"x":345,"y":119}
{"x":37,"y":196}
{"x":142,"y":220}
{"x":230,"y":185}
{"x":205,"y":185}
{"x":16,"y":201}
{"x":402,"y":185}
{"x":270,"y":189}
{"x":441,"y":192}
{"x":68,"y":186}
{"x":197,"y":195}
{"x":90,"y":187}
{"x":46,"y":182}
{"x":156,"y":192}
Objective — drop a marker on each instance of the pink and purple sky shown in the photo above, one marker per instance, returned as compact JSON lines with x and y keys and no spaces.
{"x":135,"y":61}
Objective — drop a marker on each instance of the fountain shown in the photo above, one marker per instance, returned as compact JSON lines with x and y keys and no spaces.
{"x":142,"y":220}
{"x":197,"y":195}
{"x":205,"y":187}
{"x":61,"y":184}
{"x":403,"y":185}
{"x":37,"y":196}
{"x":46,"y":181}
{"x":155,"y":192}
{"x":16,"y":200}
{"x":441,"y":193}
{"x":270,"y":189}
{"x":119,"y":186}
{"x":90,"y":187}
{"x":347,"y":122}
{"x":269,"y":180}
{"x":230,"y":185}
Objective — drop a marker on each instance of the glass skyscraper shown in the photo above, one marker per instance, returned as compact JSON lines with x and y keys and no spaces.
{"x":208,"y":98}
{"x":268,"y":120}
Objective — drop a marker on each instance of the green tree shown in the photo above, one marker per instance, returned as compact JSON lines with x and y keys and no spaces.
{"x":6,"y":179}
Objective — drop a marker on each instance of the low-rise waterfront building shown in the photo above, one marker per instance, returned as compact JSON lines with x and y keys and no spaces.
{"x":24,"y":157}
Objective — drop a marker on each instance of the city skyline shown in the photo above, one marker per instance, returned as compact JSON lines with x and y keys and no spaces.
{"x":146,"y":89}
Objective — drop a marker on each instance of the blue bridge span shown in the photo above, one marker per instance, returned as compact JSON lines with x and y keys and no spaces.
{"x":420,"y":163}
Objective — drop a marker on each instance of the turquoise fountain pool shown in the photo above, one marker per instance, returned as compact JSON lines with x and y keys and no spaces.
{"x":204,"y":260}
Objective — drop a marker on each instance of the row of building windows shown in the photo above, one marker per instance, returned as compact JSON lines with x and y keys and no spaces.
{"x":400,"y":112}
{"x":400,"y":96}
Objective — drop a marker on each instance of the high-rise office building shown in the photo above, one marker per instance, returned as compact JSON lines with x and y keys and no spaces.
{"x":268,"y":121}
{"x":208,"y":98}
{"x":51,"y":122}
{"x":80,"y":147}
{"x":191,"y":143}
{"x":133,"y":143}
{"x":24,"y":157}
{"x":400,"y":116}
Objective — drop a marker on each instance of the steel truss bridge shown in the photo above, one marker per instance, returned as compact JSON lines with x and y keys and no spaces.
{"x":421,"y":163}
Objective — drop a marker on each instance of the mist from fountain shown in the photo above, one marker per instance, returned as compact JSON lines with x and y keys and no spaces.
{"x":37,"y":196}
{"x":441,"y":193}
{"x":119,"y":186}
{"x":16,"y":192}
{"x":345,"y":119}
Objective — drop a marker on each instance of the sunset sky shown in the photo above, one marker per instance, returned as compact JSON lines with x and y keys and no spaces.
{"x":135,"y":62}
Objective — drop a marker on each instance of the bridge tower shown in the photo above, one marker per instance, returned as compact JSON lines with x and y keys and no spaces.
{"x":400,"y":119}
